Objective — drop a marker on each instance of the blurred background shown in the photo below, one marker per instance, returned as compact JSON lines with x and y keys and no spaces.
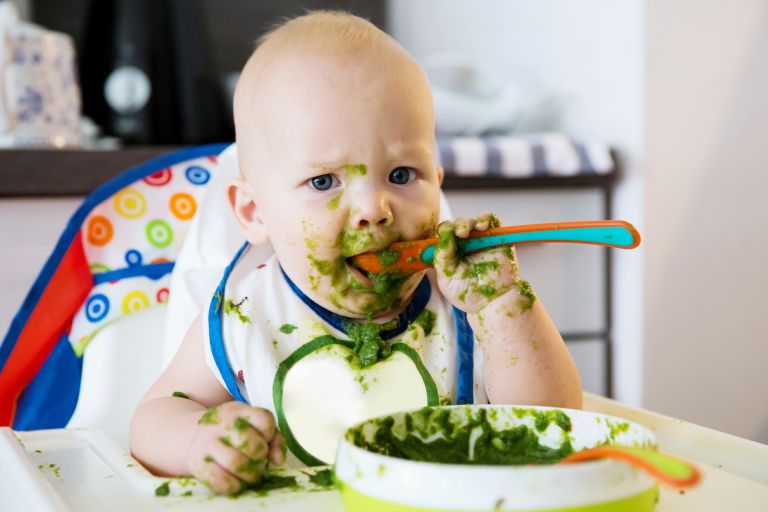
{"x":548,"y":110}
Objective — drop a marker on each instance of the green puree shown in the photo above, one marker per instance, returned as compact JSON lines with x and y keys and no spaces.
{"x":233,"y":308}
{"x":388,"y":256}
{"x":426,"y":320}
{"x":369,"y":345}
{"x":271,"y":482}
{"x":287,"y":328}
{"x":355,"y":169}
{"x":323,"y":478}
{"x":435,"y":435}
{"x":524,"y":288}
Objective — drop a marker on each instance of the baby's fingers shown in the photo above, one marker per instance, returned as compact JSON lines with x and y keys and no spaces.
{"x":277,"y":450}
{"x":246,"y":439}
{"x":446,"y":255}
{"x":485,"y":221}
{"x":216,"y":477}
{"x":463,"y":226}
{"x":237,"y":463}
{"x":259,"y":419}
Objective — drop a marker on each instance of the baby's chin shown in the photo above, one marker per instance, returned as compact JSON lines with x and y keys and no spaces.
{"x":383,"y":297}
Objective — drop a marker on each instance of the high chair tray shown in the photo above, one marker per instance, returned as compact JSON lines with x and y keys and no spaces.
{"x":84,"y":470}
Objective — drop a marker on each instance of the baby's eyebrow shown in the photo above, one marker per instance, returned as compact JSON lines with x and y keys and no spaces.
{"x":332,"y":166}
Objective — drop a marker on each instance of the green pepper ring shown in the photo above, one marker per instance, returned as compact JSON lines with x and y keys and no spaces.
{"x":316,"y":344}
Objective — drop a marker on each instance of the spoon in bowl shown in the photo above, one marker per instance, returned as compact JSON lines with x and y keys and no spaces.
{"x":664,"y":468}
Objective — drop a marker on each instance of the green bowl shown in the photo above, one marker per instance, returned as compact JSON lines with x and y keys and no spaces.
{"x":481,"y":452}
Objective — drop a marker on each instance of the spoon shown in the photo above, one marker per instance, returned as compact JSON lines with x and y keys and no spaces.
{"x":665,"y":469}
{"x":415,"y":255}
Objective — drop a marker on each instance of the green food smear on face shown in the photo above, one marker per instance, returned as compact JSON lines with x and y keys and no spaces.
{"x":334,"y":203}
{"x":426,"y":320}
{"x":180,"y":394}
{"x":369,"y":346}
{"x":524,"y":289}
{"x":287,"y":328}
{"x":163,"y":489}
{"x":233,"y":308}
{"x":355,"y":242}
{"x":208,"y":458}
{"x":355,"y":169}
{"x":332,"y":268}
{"x":388,"y":256}
{"x":387,"y":287}
{"x":434,"y":435}
{"x":209,"y":417}
{"x":323,"y":478}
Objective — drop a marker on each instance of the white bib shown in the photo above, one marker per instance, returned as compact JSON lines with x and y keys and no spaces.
{"x":319,"y":394}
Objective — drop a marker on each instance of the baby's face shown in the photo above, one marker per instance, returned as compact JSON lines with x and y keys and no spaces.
{"x":346,"y":164}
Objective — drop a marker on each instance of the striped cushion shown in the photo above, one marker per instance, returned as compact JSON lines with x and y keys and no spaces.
{"x":536,"y":155}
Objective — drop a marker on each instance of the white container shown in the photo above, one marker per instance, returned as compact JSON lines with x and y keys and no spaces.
{"x":39,"y":94}
{"x":372,"y":482}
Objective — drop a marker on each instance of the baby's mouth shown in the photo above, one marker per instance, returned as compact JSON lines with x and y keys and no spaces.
{"x":360,"y":276}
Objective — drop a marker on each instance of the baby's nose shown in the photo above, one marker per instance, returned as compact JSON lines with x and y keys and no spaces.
{"x":372,"y":212}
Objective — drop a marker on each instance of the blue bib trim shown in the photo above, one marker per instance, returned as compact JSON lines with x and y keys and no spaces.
{"x":465,"y":341}
{"x":464,"y":334}
{"x":412,"y":310}
{"x":219,"y":351}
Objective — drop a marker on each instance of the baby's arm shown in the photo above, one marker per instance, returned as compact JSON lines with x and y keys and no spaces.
{"x":525,"y":360}
{"x":201,"y":431}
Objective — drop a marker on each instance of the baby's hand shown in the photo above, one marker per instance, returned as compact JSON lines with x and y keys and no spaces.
{"x":470,"y":282}
{"x":232,"y":445}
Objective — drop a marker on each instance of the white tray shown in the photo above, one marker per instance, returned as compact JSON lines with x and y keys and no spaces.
{"x":83,"y":470}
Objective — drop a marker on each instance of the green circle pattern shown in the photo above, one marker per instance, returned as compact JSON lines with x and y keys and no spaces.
{"x":159,"y":233}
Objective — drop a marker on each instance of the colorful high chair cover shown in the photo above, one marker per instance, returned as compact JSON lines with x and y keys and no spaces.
{"x":114,"y":258}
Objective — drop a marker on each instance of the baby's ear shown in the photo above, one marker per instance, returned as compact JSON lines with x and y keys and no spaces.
{"x":440,"y":175}
{"x":243,"y":202}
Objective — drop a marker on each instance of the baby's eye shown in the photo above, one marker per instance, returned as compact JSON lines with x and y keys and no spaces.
{"x":323,"y":182}
{"x":402,"y":175}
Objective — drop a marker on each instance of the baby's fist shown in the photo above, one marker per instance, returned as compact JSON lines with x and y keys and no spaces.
{"x":470,"y":282}
{"x":232,"y":445}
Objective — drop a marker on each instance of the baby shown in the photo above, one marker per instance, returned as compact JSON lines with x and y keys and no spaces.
{"x":336,"y":141}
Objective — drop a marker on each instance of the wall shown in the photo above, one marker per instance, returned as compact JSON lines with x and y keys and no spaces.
{"x":584,"y":60}
{"x":706,"y":165}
